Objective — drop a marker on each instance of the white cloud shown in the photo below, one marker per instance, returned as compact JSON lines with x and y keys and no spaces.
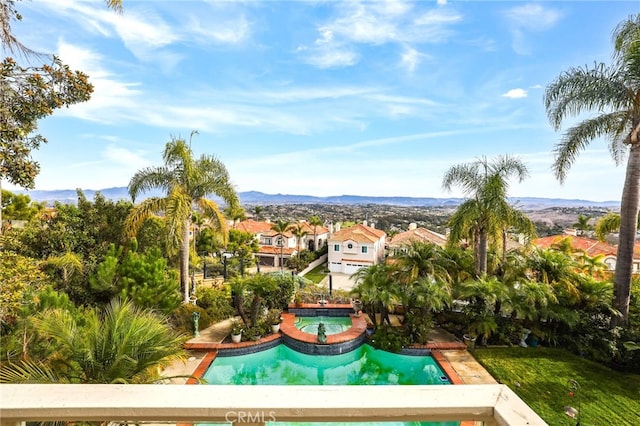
{"x":533,"y":17}
{"x":333,"y":58}
{"x":227,"y":32}
{"x":109,"y":92}
{"x":515,"y":93}
{"x":529,"y":18}
{"x":377,"y":23}
{"x":410,"y":58}
{"x":130,"y":160}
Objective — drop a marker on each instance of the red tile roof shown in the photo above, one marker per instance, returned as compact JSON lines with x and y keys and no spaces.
{"x":422,"y":235}
{"x":589,"y":246}
{"x":358,"y":233}
{"x":252,"y":226}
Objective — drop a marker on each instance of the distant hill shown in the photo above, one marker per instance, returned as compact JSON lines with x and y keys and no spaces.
{"x":260,"y":198}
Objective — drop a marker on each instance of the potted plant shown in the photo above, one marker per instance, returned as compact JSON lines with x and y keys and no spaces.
{"x":274,"y":319}
{"x":253,"y":333}
{"x":298,"y":299}
{"x":236,"y":331}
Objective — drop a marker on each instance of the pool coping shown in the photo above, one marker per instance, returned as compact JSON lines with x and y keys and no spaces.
{"x":359,"y":324}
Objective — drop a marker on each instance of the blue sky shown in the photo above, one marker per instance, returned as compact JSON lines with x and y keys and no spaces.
{"x":321,"y":98}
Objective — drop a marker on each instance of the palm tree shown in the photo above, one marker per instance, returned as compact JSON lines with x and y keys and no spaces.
{"x":257,"y":211}
{"x":613,"y":92}
{"x":67,"y":264}
{"x":377,"y":288}
{"x":187,"y":181}
{"x":424,"y":260}
{"x":281,"y":226}
{"x":299,"y":232}
{"x":608,"y":224}
{"x":122,"y":344}
{"x":315,"y":221}
{"x":486,"y":212}
{"x":582,"y":224}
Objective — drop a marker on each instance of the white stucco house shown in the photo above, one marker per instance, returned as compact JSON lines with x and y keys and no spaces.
{"x":274,"y":244}
{"x":355,"y":247}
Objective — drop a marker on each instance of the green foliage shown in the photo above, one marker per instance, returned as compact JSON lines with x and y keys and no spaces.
{"x":86,"y":231}
{"x":217,"y":302}
{"x":21,"y":279}
{"x":486,"y":214}
{"x":273,"y":316}
{"x":418,"y":328}
{"x":144,"y":278}
{"x":254,"y":332}
{"x":120,"y":344}
{"x":237,"y":327}
{"x":301,"y":260}
{"x":243,"y":245}
{"x":389,"y":338}
{"x":29,"y":94}
{"x":285,"y":286}
{"x":182,"y":318}
{"x":19,"y":206}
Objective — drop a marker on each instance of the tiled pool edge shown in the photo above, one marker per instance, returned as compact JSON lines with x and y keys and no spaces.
{"x":212,"y":353}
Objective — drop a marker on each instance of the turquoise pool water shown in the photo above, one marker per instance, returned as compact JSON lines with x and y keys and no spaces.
{"x":364,"y":366}
{"x":333,"y":325}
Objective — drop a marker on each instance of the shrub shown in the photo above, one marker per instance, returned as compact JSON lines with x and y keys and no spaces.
{"x":182,"y":318}
{"x":389,"y":338}
{"x":217,"y":303}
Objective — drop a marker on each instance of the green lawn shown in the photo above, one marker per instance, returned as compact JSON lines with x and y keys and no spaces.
{"x":540,"y":375}
{"x":317,"y":274}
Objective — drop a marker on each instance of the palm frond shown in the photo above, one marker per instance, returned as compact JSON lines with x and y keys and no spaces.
{"x":584,"y":89}
{"x":140,"y":213}
{"x":147,"y":179}
{"x":577,"y":138}
{"x":27,"y":371}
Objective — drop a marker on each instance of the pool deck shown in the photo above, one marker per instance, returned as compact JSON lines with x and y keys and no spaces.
{"x":450,"y":352}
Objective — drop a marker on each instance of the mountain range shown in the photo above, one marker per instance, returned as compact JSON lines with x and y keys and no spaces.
{"x":260,"y":198}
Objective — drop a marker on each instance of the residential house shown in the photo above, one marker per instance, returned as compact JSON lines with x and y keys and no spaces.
{"x":273,"y":245}
{"x":355,"y":247}
{"x":590,"y":247}
{"x":415,"y":234}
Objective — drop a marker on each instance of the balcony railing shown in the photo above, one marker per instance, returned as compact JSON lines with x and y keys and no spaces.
{"x":257,"y":405}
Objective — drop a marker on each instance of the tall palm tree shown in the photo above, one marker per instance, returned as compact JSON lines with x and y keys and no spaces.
{"x":486,"y":212}
{"x":315,"y":221}
{"x":281,"y":226}
{"x":613,"y":93}
{"x":299,"y":232}
{"x":187,"y":182}
{"x":122,"y":344}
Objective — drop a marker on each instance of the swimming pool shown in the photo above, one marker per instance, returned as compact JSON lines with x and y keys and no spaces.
{"x":333,"y":325}
{"x":282,"y":365}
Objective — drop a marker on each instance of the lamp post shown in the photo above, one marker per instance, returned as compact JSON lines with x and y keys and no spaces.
{"x":574,"y":392}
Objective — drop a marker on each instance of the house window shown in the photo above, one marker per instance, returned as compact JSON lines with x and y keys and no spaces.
{"x":364,"y":250}
{"x":336,"y":247}
{"x":349,"y":246}
{"x":268,"y":241}
{"x":280,"y":242}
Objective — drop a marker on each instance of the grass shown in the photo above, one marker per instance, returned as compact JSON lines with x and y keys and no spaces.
{"x":540,"y":377}
{"x":317,"y":274}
